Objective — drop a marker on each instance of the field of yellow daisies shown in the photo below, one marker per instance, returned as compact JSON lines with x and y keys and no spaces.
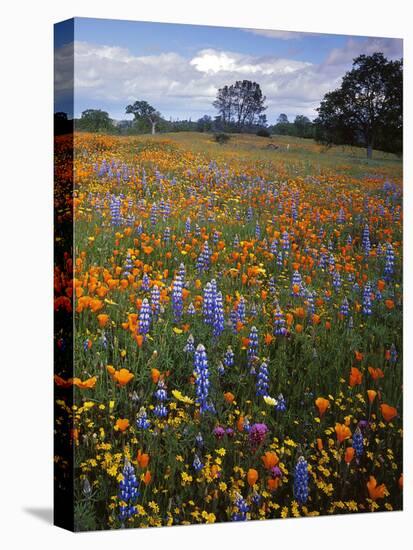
{"x":237,"y":332}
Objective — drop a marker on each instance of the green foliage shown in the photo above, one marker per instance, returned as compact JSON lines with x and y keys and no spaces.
{"x":263,"y":132}
{"x":241,"y":104}
{"x":85,"y":516}
{"x":95,"y":120}
{"x":144,"y":113}
{"x":367,"y":108}
{"x":221,"y":138}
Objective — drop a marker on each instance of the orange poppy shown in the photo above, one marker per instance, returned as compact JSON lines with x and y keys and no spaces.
{"x":358,"y":356}
{"x":289,"y":318}
{"x":268,"y":338}
{"x":103,"y":319}
{"x":155,"y":375}
{"x":142,"y":459}
{"x":273,"y":484}
{"x":375,"y":491}
{"x":349,"y":454}
{"x":147,"y":477}
{"x":139,"y":340}
{"x":270,"y":459}
{"x":342,"y":432}
{"x":388,"y":412}
{"x":122,"y":424}
{"x":376,"y":373}
{"x":123,"y":377}
{"x":252,"y":477}
{"x":86,"y":384}
{"x":371,"y":395}
{"x":322,"y":405}
{"x":59,"y":381}
{"x":356,"y":377}
{"x":229,"y":397}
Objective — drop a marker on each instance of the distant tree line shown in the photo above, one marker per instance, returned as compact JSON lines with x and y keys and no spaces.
{"x":366,"y":110}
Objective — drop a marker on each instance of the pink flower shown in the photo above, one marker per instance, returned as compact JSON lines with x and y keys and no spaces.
{"x":257,"y":434}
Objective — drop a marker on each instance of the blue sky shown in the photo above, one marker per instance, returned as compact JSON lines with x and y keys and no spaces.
{"x":178,"y":68}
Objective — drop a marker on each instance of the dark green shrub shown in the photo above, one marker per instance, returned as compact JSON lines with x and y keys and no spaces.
{"x":221,"y":138}
{"x":263,"y":132}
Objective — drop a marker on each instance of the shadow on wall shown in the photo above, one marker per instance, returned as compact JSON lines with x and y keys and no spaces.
{"x":44,"y":514}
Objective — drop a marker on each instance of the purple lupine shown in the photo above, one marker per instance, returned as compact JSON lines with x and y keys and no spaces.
{"x":208,"y":303}
{"x":182,"y":271}
{"x":167,"y":235}
{"x":344,"y":308}
{"x":279,"y":323}
{"x":229,"y":358}
{"x":115,"y":204}
{"x":367,"y":299}
{"x":146,"y":282}
{"x":142,"y":421}
{"x":263,"y":380}
{"x":233,"y":316}
{"x":301,"y":481}
{"x":155,"y":300}
{"x":280,"y":259}
{"x":177,"y":298}
{"x":188,"y":225}
{"x":296,"y":280}
{"x":128,"y":492}
{"x":206,"y":254}
{"x":144,"y":318}
{"x":189,"y":346}
{"x":281,"y":405}
{"x":161,"y":396}
{"x":389,"y":262}
{"x":366,"y":240}
{"x":202,"y":379}
{"x":127,"y":270}
{"x":218,"y":324}
{"x":197,"y":464}
{"x":358,"y":443}
{"x":285,"y":240}
{"x":336,"y":280}
{"x":252,"y":348}
{"x":154,"y":214}
{"x":241,"y":309}
{"x":241,"y":508}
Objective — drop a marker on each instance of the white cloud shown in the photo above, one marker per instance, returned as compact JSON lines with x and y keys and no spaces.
{"x":213,"y":61}
{"x":111,"y":77}
{"x":392,"y":48}
{"x":280,"y":35}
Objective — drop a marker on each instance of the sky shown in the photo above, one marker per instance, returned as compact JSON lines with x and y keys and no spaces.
{"x":178,"y":68}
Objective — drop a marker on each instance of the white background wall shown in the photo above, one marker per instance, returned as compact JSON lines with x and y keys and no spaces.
{"x":26,"y":89}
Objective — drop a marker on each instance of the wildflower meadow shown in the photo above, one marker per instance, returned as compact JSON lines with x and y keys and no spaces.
{"x":237,"y":330}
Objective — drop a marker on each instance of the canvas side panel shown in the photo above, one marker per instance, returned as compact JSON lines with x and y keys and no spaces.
{"x":64,"y":432}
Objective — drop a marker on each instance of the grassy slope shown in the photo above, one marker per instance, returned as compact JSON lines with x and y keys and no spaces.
{"x":304,"y":156}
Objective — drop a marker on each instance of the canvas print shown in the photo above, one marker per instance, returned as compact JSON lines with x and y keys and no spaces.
{"x":228,"y":274}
